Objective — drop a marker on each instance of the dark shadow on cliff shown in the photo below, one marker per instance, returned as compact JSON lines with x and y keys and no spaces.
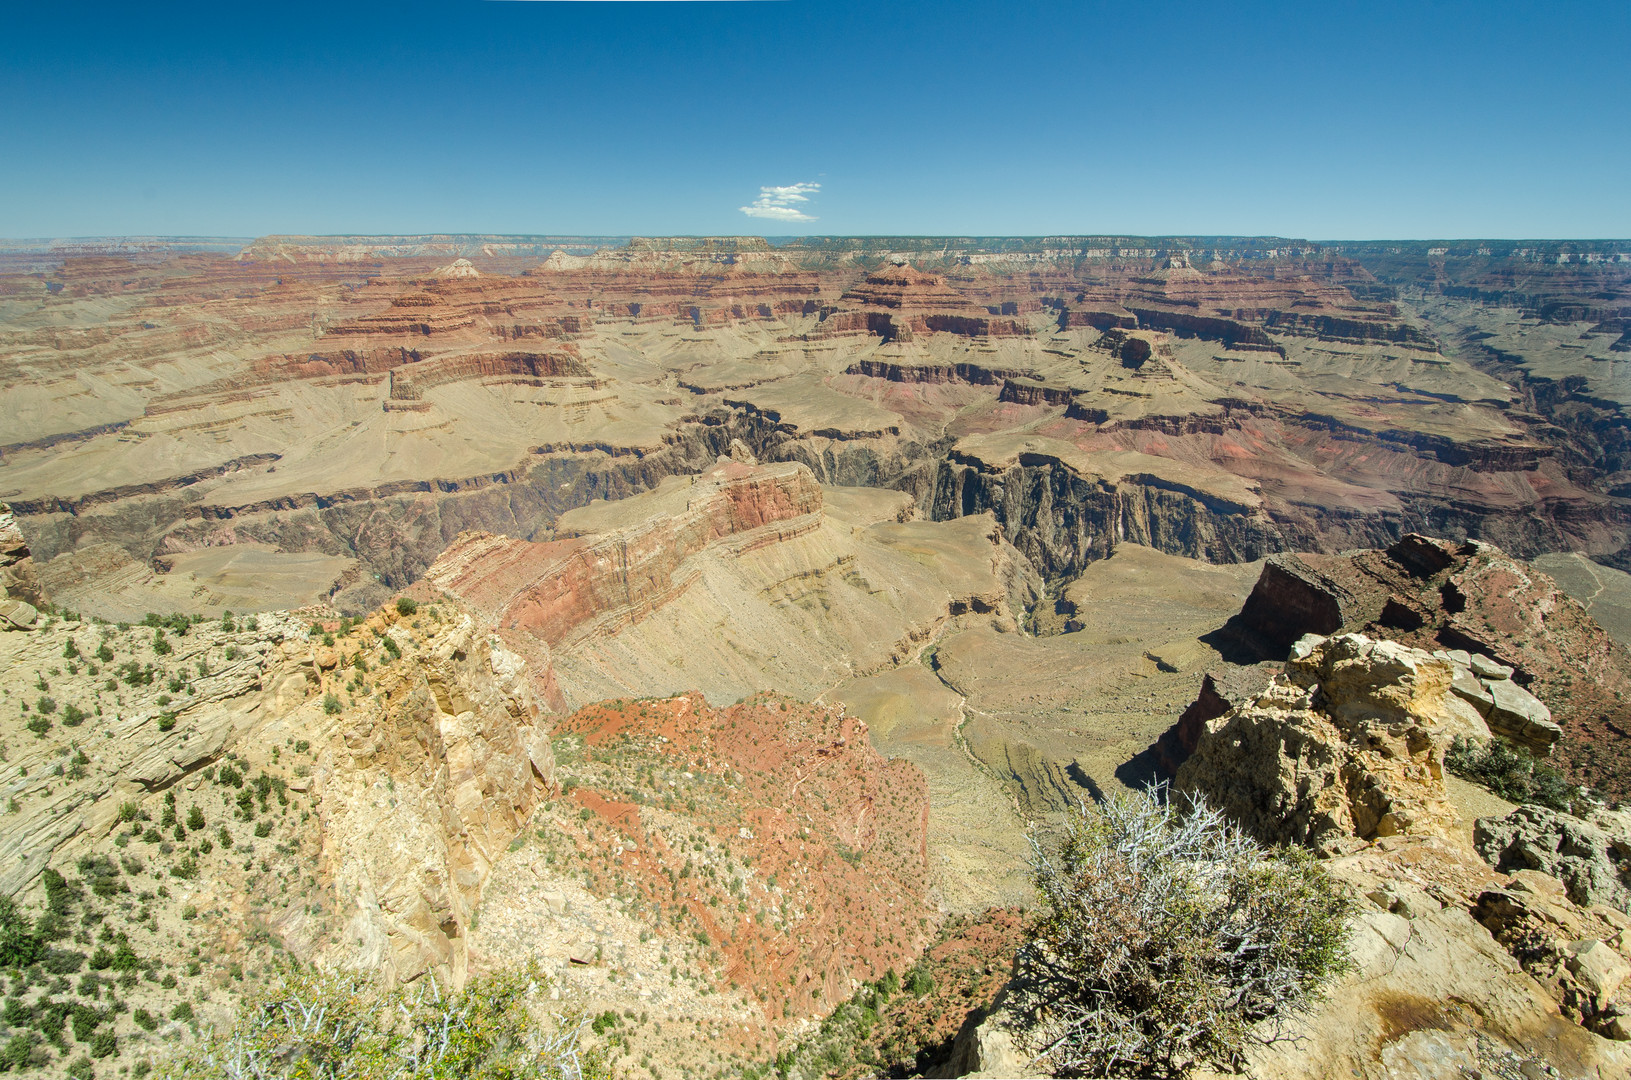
{"x":1236,"y":643}
{"x":1144,"y":769}
{"x":1078,"y":774}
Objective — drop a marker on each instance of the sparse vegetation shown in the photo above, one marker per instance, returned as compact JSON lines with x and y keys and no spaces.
{"x":1164,"y":936}
{"x":1513,"y":773}
{"x":331,"y":1026}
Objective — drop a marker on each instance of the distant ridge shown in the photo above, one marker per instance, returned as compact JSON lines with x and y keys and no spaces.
{"x":447,"y":246}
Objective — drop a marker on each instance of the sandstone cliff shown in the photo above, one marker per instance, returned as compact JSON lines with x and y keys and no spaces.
{"x":421,"y":787}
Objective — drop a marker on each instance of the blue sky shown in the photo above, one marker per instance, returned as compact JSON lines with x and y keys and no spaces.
{"x":1320,"y":120}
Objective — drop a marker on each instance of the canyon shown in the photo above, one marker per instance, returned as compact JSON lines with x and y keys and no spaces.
{"x":711,"y":621}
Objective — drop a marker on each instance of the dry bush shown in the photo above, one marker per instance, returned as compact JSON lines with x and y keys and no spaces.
{"x":1166,"y":938}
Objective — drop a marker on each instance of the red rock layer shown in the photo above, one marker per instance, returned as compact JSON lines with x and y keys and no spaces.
{"x":541,"y":594}
{"x":410,"y":384}
{"x":832,"y":836}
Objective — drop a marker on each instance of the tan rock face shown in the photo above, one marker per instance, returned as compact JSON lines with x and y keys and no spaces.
{"x":421,"y":789}
{"x":1347,"y":745}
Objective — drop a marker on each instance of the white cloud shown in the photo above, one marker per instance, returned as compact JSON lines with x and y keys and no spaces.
{"x":781,"y":203}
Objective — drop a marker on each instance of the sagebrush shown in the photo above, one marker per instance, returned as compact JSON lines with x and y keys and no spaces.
{"x":1166,"y":939}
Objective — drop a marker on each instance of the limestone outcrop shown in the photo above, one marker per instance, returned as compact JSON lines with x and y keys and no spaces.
{"x":1527,"y":656}
{"x":18,"y":584}
{"x":1347,"y":745}
{"x":1580,"y":953}
{"x":423,"y":786}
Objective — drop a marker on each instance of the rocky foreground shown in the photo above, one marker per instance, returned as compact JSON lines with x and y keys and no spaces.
{"x":386,"y":795}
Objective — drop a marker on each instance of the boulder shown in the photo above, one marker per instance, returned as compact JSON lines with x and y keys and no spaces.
{"x":1467,"y":686}
{"x":1593,"y":864}
{"x":1347,"y":745}
{"x":988,"y":1049}
{"x":1485,"y":668}
{"x":1599,"y":970}
{"x":17,"y":615}
{"x":1521,"y":717}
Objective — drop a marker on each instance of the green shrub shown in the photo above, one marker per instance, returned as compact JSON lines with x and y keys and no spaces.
{"x":1511,"y":772}
{"x":183,"y":1012}
{"x":19,"y":946}
{"x":144,"y":1020}
{"x":59,"y":895}
{"x":62,"y":961}
{"x":406,"y":606}
{"x":19,"y":1053}
{"x":72,"y":715}
{"x":331,"y":704}
{"x":85,"y":1022}
{"x":70,"y":649}
{"x":104,"y":1044}
{"x":46,"y":705}
{"x":195,"y":818}
{"x":311,"y":1025}
{"x":1165,"y":937}
{"x":918,"y":982}
{"x":263,"y":829}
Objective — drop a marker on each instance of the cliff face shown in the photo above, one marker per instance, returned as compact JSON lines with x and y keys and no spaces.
{"x":1062,"y":520}
{"x":541,"y":595}
{"x":422,"y":786}
{"x":1304,"y":378}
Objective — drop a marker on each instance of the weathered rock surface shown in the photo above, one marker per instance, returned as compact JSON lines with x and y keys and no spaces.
{"x":420,"y":790}
{"x":1592,"y":857}
{"x":1348,"y":745}
{"x":1528,"y":657}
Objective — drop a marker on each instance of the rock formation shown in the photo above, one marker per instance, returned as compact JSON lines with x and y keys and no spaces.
{"x":1528,"y":657}
{"x":1591,"y":856}
{"x":421,"y":788}
{"x":1347,"y":746}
